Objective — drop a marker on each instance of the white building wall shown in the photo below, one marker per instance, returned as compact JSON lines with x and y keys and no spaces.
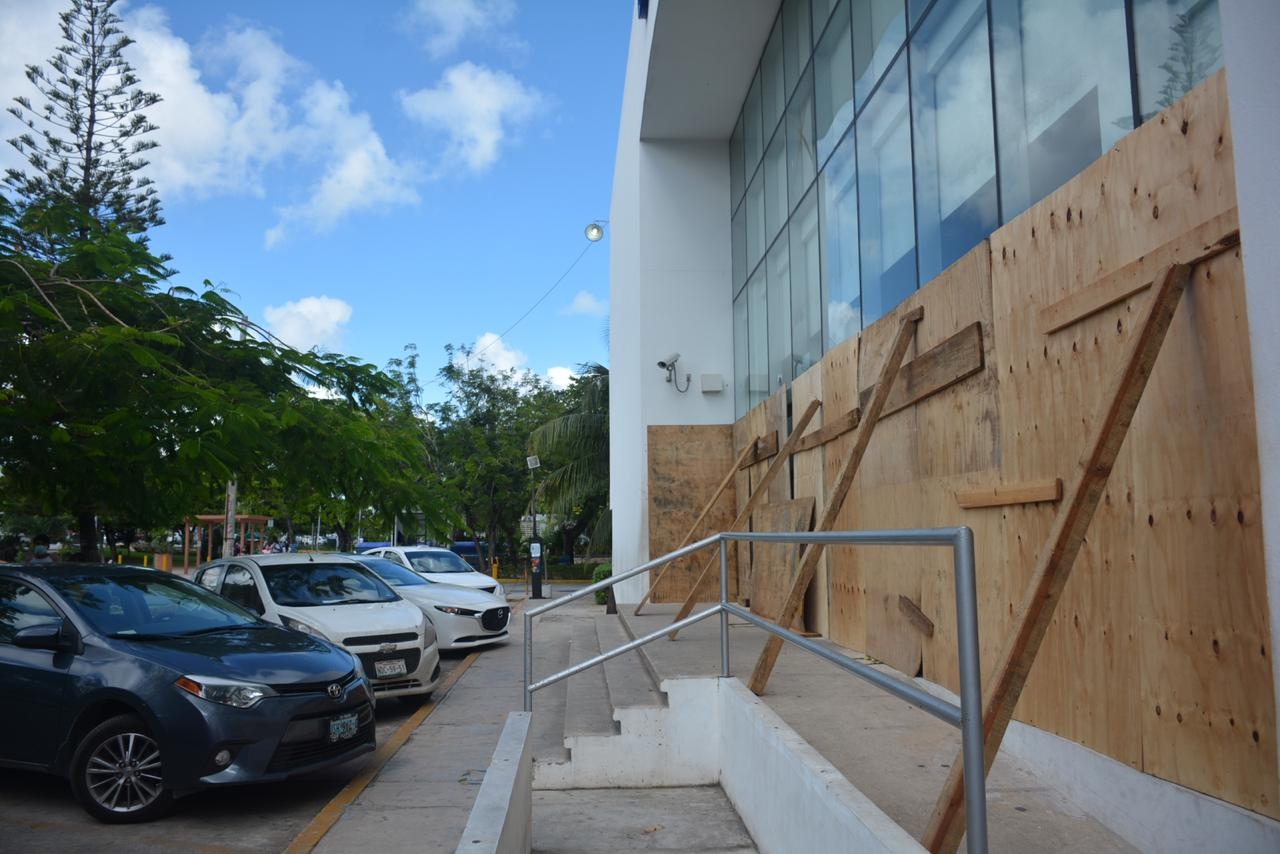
{"x":1251,"y":39}
{"x":670,"y":292}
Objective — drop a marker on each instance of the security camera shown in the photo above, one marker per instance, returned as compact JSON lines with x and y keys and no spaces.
{"x":669,"y":362}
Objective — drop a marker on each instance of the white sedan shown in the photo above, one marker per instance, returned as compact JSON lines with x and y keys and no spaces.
{"x":336,"y":598}
{"x":441,"y":566}
{"x":463,"y":616}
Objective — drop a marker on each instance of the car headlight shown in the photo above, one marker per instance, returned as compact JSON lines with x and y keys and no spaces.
{"x":240,"y":695}
{"x":500,"y":591}
{"x":460,"y":612}
{"x":359,"y":665}
{"x":299,"y":626}
{"x":428,"y":634}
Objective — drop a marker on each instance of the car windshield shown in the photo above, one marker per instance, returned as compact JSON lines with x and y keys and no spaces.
{"x":302,"y":585}
{"x":437,"y":562}
{"x":393,"y":573}
{"x":149,"y":605}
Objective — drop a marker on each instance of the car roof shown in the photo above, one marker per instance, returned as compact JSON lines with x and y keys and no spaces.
{"x":295,"y":558}
{"x":419,"y":549}
{"x":69,"y":570}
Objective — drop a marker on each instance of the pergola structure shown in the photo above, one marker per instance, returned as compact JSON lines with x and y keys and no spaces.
{"x":249,"y":528}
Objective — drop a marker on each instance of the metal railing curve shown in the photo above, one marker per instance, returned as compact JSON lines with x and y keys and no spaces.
{"x":967,"y":716}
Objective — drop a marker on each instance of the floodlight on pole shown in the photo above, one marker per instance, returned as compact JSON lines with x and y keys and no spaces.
{"x":595,"y":231}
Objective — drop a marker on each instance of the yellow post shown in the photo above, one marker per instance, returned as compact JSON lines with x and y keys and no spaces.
{"x":119,"y":558}
{"x":146,"y":560}
{"x":493,"y":568}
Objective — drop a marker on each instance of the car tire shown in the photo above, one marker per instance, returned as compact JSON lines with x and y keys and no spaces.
{"x":117,"y":775}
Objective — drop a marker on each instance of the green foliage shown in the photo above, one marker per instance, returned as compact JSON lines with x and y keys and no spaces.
{"x":481,"y":433}
{"x":602,"y":572}
{"x":84,"y":144}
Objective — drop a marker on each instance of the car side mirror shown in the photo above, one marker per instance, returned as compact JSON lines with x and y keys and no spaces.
{"x":56,"y":637}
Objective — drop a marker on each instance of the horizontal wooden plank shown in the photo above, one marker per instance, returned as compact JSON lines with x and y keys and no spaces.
{"x":765,"y":448}
{"x":1002,"y":495}
{"x":836,"y":427}
{"x":1212,"y":237}
{"x":941,"y":367}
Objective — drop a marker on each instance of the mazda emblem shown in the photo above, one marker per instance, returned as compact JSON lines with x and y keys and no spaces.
{"x":335,"y":690}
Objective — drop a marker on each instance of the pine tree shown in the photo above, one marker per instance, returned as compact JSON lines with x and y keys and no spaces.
{"x":85,"y":144}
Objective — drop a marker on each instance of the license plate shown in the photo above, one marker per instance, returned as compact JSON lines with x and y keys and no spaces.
{"x":390,"y":667}
{"x":343,"y":727}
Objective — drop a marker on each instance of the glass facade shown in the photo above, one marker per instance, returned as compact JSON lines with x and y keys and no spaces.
{"x":880,"y":140}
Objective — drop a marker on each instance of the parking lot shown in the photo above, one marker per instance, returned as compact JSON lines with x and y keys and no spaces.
{"x":39,"y":814}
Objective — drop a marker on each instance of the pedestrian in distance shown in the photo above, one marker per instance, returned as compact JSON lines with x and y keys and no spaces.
{"x":40,"y":551}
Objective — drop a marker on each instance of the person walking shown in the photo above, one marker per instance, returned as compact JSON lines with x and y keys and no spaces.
{"x":40,"y":551}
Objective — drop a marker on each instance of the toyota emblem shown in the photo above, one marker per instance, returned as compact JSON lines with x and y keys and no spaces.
{"x":335,"y":690}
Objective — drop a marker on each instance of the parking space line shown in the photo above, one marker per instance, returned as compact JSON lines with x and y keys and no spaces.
{"x":324,"y":821}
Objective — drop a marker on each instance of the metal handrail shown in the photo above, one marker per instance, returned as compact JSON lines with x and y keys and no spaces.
{"x":967,"y":716}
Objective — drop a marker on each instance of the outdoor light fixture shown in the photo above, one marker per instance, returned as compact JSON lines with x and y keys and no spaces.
{"x":595,"y":231}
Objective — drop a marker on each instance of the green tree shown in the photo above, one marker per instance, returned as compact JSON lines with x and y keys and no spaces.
{"x":576,"y":444}
{"x":481,"y":436}
{"x":85,"y":143}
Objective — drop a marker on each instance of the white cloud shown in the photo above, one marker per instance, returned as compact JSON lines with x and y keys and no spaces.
{"x":235,"y":108}
{"x":309,"y":322}
{"x":450,"y":22}
{"x":477,"y":108}
{"x":492,"y":353}
{"x":585,"y":303}
{"x":359,"y":174}
{"x":560,"y":377}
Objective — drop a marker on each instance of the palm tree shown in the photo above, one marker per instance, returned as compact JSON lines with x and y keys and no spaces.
{"x":577,"y":447}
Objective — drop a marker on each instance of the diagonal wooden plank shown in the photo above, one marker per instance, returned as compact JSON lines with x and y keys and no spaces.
{"x":955,"y":359}
{"x":1053,"y":568}
{"x":693,"y":529}
{"x":813,"y":552}
{"x":757,"y":494}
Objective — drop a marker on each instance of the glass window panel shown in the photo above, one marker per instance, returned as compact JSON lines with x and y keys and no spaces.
{"x":737,"y":167}
{"x":915,"y":8}
{"x":806,"y":286}
{"x":833,"y":82}
{"x":757,"y":339}
{"x":739,"y":249}
{"x":797,"y":34}
{"x":801,"y":165}
{"x":879,"y":28}
{"x":887,"y":222}
{"x":741,"y":331}
{"x":954,"y":135}
{"x":775,"y":186}
{"x":821,"y":12}
{"x":754,"y":207}
{"x":752,"y":129}
{"x":779,"y":287}
{"x":1062,"y":92}
{"x":773,"y":86}
{"x":1177,"y":43}
{"x":838,"y":199}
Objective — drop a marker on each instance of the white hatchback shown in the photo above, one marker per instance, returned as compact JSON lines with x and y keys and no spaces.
{"x":336,"y":598}
{"x":441,"y":566}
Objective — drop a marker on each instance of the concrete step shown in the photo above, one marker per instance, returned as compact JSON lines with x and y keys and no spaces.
{"x":630,"y":679}
{"x":587,"y":708}
{"x":550,"y":655}
{"x":695,"y":819}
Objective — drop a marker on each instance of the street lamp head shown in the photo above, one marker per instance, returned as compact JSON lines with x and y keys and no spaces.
{"x":594,"y":232}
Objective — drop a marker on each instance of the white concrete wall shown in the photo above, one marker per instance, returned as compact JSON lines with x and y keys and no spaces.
{"x":1251,"y":43}
{"x":789,"y":797}
{"x":670,"y":282}
{"x":501,"y":820}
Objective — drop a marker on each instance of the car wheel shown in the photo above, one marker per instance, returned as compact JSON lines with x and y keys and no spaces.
{"x":116,"y":773}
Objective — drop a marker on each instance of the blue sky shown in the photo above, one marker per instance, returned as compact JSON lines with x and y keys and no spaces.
{"x":366,"y":176}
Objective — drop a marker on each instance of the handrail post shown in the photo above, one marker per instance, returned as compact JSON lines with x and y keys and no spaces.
{"x":724,"y":615}
{"x":528,"y":661}
{"x":975,"y":787}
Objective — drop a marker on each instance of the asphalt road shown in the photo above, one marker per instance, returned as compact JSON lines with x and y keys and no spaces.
{"x":39,"y":814}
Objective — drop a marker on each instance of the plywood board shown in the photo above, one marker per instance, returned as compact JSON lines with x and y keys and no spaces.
{"x":776,"y":563}
{"x":1148,"y":576}
{"x":750,"y":425}
{"x":776,"y":417}
{"x":847,"y":609}
{"x":807,"y":482}
{"x":686,"y":464}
